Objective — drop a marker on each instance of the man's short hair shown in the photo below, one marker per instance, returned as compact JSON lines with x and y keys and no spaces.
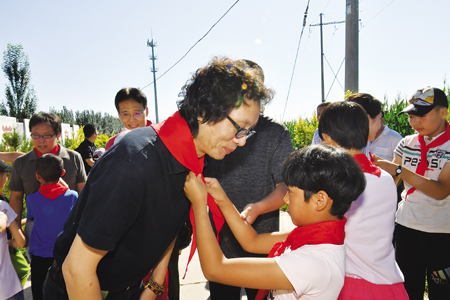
{"x":42,"y":117}
{"x":130,"y":93}
{"x":215,"y":90}
{"x":346,"y":123}
{"x":89,"y":130}
{"x":50,"y":167}
{"x":325,"y":168}
{"x":370,"y":104}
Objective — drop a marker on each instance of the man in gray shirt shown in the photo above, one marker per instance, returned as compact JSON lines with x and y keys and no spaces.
{"x":251,"y":177}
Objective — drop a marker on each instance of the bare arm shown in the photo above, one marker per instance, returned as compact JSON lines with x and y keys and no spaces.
{"x":270,"y":203}
{"x":10,"y":156}
{"x":16,"y":203}
{"x":246,"y":235}
{"x":159,"y":273}
{"x":438,"y":189}
{"x":90,"y":161}
{"x":259,"y":273}
{"x":80,"y":186}
{"x":3,"y":221}
{"x":80,"y":271}
{"x":18,"y":237}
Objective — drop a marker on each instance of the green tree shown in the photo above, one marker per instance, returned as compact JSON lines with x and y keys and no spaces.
{"x":65,"y":115}
{"x":21,"y":99}
{"x":106,"y":124}
{"x":399,"y":123}
{"x":302,"y":131}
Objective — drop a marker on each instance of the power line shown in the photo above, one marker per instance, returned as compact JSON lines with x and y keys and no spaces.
{"x":193,"y":45}
{"x":296,"y":56}
{"x":335,"y":77}
{"x":362,"y":26}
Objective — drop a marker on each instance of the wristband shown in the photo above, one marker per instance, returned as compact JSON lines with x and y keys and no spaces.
{"x":154,"y":286}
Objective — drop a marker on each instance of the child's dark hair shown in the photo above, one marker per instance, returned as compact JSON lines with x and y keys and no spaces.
{"x":324,"y":104}
{"x":370,"y":104}
{"x":325,"y":168}
{"x":50,"y":167}
{"x":130,"y":93}
{"x":346,"y":123}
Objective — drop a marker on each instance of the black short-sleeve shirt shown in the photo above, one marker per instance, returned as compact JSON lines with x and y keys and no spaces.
{"x":86,"y":150}
{"x":132,"y":206}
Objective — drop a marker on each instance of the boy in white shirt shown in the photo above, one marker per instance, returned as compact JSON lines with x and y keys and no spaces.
{"x":422,"y":233}
{"x":307,"y":263}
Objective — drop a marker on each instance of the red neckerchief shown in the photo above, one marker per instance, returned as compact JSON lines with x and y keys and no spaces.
{"x":148,"y":123}
{"x":328,"y":232}
{"x":177,"y":137}
{"x":52,"y":191}
{"x":366,"y":165}
{"x":54,"y":151}
{"x":424,"y":148}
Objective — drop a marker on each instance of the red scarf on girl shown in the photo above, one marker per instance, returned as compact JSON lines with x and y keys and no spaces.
{"x":328,"y":232}
{"x":366,"y":165}
{"x":54,"y":151}
{"x":52,"y":191}
{"x":177,"y":137}
{"x":424,"y":148}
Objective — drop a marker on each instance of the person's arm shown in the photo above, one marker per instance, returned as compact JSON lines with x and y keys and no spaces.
{"x":10,"y":156}
{"x":80,"y":271}
{"x":80,"y":186}
{"x":258,"y":273}
{"x":18,"y":240}
{"x":3,"y":221}
{"x":159,"y":273}
{"x":438,"y":189}
{"x":16,"y":203}
{"x":90,"y":161}
{"x":272,"y":202}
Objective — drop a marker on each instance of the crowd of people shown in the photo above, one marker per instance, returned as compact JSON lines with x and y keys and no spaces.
{"x":110,"y":224}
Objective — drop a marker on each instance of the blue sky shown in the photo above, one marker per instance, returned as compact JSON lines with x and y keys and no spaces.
{"x":82,"y":52}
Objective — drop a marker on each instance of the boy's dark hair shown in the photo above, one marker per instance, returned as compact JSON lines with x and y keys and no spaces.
{"x":89,"y":130}
{"x":324,"y":104}
{"x":346,"y":123}
{"x":215,"y":90}
{"x":50,"y":119}
{"x":325,"y":168}
{"x":370,"y":104}
{"x":50,"y":167}
{"x":130,"y":93}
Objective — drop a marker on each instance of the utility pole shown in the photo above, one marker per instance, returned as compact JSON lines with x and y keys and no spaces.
{"x":321,"y":52}
{"x":351,"y":46}
{"x":153,"y":70}
{"x":321,"y":59}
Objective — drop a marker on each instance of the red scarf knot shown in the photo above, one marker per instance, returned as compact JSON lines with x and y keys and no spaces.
{"x":366,"y":165}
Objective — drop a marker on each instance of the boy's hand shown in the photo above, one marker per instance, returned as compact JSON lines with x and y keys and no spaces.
{"x":384,"y":164}
{"x":195,"y":189}
{"x":215,"y":190}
